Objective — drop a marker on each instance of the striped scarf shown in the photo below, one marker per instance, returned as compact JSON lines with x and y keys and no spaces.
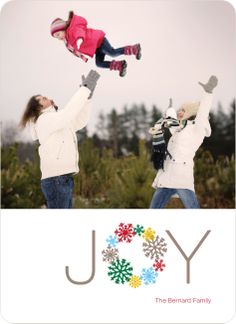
{"x":76,"y":53}
{"x":159,"y":143}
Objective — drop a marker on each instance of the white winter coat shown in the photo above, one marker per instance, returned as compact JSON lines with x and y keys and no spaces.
{"x":183,"y":144}
{"x":55,"y":131}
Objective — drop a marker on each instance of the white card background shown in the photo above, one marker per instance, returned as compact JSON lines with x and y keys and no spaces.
{"x":37,"y":245}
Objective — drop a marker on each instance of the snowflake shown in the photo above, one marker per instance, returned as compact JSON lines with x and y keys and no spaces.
{"x":120,"y":271}
{"x":139,"y":230}
{"x":110,"y":254}
{"x":149,"y":276}
{"x":135,"y":282}
{"x":125,"y":232}
{"x":149,"y":234}
{"x":154,"y":248}
{"x":112,"y":240}
{"x":159,"y":265}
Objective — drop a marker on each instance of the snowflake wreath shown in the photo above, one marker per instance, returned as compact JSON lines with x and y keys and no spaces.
{"x":120,"y":270}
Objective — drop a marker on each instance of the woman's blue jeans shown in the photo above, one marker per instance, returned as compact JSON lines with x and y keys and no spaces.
{"x":163,"y":195}
{"x":107,"y":49}
{"x":58,"y":191}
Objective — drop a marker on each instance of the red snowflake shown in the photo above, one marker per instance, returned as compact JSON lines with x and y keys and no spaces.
{"x":125,"y":232}
{"x":158,"y":265}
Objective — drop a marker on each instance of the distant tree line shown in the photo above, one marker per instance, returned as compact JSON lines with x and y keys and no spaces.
{"x":115,"y":167}
{"x":121,"y":132}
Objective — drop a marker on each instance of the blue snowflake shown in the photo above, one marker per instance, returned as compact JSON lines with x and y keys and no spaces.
{"x":112,"y":240}
{"x":149,"y":276}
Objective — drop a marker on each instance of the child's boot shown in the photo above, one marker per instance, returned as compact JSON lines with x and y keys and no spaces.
{"x":134,"y":50}
{"x":119,"y":66}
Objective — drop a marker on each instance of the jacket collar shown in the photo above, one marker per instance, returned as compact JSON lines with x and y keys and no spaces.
{"x":49,"y":109}
{"x":185,"y":123}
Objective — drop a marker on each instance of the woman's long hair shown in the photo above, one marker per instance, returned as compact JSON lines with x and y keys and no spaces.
{"x":32,"y":111}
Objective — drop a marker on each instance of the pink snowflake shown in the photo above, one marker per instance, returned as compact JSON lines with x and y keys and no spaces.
{"x":125,"y":232}
{"x":158,"y":265}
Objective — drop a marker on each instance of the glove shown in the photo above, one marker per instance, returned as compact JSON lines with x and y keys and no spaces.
{"x":90,"y":81}
{"x":210,"y":85}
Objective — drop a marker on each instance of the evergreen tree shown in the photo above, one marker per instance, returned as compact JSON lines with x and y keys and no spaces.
{"x":156,"y":114}
{"x":222,"y":139}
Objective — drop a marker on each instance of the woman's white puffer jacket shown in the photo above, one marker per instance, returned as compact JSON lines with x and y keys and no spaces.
{"x":56,"y":132}
{"x":178,"y":171}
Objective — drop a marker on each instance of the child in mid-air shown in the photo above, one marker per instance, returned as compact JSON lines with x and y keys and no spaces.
{"x":82,"y":41}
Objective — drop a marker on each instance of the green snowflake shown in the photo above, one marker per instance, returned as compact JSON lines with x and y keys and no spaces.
{"x":139,"y":229}
{"x":120,"y":271}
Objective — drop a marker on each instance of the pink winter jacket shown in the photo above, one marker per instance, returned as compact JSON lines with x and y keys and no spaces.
{"x":92,"y":38}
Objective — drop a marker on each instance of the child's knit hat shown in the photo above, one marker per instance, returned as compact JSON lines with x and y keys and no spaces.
{"x":57,"y":25}
{"x":191,"y":109}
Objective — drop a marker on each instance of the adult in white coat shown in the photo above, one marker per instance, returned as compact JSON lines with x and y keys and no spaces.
{"x":177,"y":175}
{"x":55,"y":131}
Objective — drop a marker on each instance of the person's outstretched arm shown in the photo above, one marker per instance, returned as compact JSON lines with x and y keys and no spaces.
{"x":50,"y":122}
{"x":83,"y":117}
{"x":206,"y":102}
{"x":170,"y":112}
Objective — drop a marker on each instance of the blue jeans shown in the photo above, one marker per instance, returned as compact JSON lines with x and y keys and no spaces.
{"x":163,"y":195}
{"x":58,"y":191}
{"x":106,"y":49}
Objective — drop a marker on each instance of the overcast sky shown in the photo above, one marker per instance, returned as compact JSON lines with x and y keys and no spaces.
{"x":182,"y":41}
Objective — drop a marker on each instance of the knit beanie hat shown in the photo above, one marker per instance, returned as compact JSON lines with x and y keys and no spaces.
{"x":57,"y":25}
{"x":190,"y":108}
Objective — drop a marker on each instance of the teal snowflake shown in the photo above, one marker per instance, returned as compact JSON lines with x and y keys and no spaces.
{"x":120,"y":271}
{"x":139,"y":229}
